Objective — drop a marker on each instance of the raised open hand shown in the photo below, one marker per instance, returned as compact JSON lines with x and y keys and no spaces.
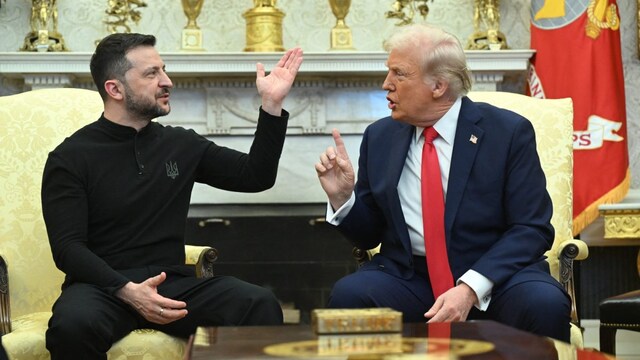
{"x":273,"y":88}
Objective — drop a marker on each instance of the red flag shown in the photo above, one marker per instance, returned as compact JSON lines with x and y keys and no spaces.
{"x":578,"y":55}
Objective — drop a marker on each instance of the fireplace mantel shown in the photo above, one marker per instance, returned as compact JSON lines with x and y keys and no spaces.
{"x":214,"y":94}
{"x":50,"y":69}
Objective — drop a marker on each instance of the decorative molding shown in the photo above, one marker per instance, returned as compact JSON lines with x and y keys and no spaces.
{"x":19,"y":64}
{"x":41,"y":81}
{"x":622,"y":222}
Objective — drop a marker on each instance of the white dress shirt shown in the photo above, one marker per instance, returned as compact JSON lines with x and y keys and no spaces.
{"x":409,"y":186}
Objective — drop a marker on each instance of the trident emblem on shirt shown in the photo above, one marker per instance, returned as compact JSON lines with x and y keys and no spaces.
{"x":172,"y":169}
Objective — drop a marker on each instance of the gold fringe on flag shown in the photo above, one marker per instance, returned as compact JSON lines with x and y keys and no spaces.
{"x":591,"y":212}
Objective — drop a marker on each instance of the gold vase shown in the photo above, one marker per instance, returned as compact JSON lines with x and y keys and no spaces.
{"x":191,"y":34}
{"x":264,"y":27}
{"x":341,"y":38}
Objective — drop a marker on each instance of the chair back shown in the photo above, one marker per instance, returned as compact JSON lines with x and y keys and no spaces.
{"x":552,"y":121}
{"x":31,"y":125}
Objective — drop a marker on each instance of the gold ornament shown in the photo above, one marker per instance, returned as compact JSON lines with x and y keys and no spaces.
{"x":486,"y":24}
{"x":264,"y":26}
{"x":405,"y":10}
{"x":44,"y":35}
{"x":191,"y":34}
{"x":120,"y":12}
{"x":341,"y":38}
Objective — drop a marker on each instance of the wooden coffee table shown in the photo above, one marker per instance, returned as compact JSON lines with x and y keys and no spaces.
{"x":462,"y":340}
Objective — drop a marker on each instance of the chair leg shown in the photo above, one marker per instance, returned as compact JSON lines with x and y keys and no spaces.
{"x":608,"y":340}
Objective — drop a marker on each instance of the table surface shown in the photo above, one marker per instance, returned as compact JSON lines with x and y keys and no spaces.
{"x":460,"y":340}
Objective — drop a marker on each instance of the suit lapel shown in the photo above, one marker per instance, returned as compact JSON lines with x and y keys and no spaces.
{"x":467,"y":141}
{"x":397,"y":155}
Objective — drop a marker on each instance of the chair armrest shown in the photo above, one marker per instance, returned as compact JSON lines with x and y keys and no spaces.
{"x":362,"y":256}
{"x":5,"y":309}
{"x":203,"y":258}
{"x":568,"y":251}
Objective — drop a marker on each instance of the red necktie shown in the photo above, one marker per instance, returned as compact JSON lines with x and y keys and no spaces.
{"x":433,"y":217}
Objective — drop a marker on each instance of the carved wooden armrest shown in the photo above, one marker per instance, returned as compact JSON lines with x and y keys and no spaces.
{"x":362,"y":256}
{"x":569,"y":251}
{"x":203,"y":258}
{"x":5,"y":310}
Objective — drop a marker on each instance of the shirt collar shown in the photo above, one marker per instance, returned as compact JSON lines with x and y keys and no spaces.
{"x":447,"y":124}
{"x":118,"y":130}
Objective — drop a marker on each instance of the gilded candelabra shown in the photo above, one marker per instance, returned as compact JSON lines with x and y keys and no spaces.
{"x":341,"y":38}
{"x":405,"y":10}
{"x":44,"y":35}
{"x":486,"y":24}
{"x":264,"y":26}
{"x":191,"y":34}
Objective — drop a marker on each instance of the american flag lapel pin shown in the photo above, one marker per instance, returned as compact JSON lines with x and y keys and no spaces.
{"x":473,"y":139}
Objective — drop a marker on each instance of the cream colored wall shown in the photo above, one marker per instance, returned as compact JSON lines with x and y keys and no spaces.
{"x":307,"y":23}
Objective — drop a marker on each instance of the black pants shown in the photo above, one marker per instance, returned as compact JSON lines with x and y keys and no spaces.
{"x":3,"y":354}
{"x":87,"y":320}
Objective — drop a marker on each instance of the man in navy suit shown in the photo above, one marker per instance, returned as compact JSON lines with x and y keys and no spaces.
{"x":497,"y":210}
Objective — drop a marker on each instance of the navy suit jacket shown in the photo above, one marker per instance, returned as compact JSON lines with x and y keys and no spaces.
{"x":497,"y":210}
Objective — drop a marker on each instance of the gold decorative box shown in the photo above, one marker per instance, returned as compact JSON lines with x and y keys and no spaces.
{"x":347,"y":321}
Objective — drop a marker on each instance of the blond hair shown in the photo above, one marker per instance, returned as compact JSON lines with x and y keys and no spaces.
{"x":442,"y":56}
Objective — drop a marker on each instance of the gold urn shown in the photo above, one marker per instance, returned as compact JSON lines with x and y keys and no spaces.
{"x":341,"y":38}
{"x":264,"y":27}
{"x":191,"y":34}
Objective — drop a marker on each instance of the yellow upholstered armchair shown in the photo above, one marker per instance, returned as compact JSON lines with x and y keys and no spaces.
{"x":552,"y":120}
{"x":32,"y":124}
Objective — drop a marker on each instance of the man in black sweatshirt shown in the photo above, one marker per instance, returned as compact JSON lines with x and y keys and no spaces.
{"x":115,"y":197}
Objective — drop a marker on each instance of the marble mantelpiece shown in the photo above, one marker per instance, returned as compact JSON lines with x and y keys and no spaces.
{"x":214,"y":94}
{"x":72,"y":66}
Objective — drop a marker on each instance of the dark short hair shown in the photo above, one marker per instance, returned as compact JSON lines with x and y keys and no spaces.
{"x":109,"y":61}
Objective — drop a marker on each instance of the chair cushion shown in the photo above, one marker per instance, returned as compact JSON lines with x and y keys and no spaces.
{"x":623,"y":310}
{"x":27,"y":341}
{"x":28,"y":330}
{"x":576,"y":336}
{"x":148,"y":344}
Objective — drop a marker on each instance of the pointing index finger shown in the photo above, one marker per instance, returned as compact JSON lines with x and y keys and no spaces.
{"x":340,"y":148}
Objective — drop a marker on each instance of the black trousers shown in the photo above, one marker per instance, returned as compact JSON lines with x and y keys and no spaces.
{"x":3,"y":353}
{"x":87,"y":320}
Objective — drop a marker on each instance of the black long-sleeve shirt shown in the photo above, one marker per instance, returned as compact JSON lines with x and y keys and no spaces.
{"x":115,"y":199}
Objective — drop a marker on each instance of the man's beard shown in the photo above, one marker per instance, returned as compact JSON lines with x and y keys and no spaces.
{"x":142,"y":108}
